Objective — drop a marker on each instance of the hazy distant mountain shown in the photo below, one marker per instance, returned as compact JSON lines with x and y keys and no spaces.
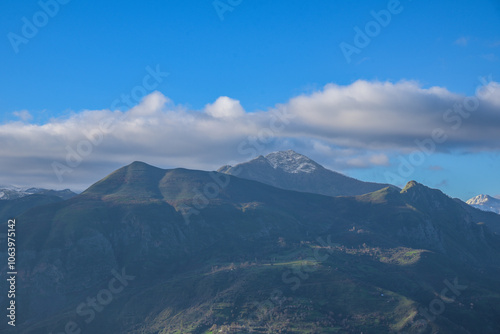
{"x":485,"y":203}
{"x":12,"y":192}
{"x":252,"y":258}
{"x":293,"y":171}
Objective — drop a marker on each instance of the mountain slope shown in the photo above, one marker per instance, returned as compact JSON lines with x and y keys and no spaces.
{"x":485,"y":203}
{"x":251,"y":258}
{"x":10,"y":209}
{"x":293,"y":171}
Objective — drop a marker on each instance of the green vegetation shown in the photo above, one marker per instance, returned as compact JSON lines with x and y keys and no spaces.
{"x":256,"y":259}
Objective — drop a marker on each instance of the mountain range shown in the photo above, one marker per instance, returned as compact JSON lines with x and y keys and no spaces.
{"x":13,"y":192}
{"x":151,"y":250}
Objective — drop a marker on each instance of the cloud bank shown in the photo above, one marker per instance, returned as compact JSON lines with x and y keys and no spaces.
{"x":355,"y":126}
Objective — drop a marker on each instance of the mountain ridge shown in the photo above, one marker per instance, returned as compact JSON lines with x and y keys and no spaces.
{"x":12,"y":192}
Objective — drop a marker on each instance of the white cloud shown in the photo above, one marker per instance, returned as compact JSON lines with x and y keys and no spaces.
{"x":151,"y":105}
{"x":359,"y":125}
{"x":24,"y":115}
{"x":225,"y":107}
{"x":381,"y":115}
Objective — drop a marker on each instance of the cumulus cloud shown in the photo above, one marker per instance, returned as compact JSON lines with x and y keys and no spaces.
{"x":382,"y":115}
{"x":225,"y":107}
{"x":151,"y":105}
{"x":355,"y":126}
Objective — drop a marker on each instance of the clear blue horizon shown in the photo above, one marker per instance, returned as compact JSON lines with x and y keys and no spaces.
{"x":64,"y":61}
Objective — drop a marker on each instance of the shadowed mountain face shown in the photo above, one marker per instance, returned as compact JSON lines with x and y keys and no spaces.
{"x":14,"y":207}
{"x":294,"y":171}
{"x":184,"y":251}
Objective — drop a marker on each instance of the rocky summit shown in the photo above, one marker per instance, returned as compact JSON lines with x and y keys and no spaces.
{"x":293,"y":171}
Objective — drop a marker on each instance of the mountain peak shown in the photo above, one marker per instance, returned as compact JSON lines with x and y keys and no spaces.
{"x":426,"y":198}
{"x":414,"y":188}
{"x":136,"y":180}
{"x":293,"y":171}
{"x":140,"y":164}
{"x":292,"y":162}
{"x":413,"y":184}
{"x":479,"y":199}
{"x":485,"y":203}
{"x":139,"y":168}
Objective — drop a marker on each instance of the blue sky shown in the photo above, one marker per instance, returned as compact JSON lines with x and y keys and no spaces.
{"x":262,"y":54}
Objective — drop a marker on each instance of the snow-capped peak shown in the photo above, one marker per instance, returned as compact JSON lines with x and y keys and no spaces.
{"x":479,"y":199}
{"x":485,"y":203}
{"x":12,"y":192}
{"x":11,"y":187}
{"x":8,"y":192}
{"x":291,"y":162}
